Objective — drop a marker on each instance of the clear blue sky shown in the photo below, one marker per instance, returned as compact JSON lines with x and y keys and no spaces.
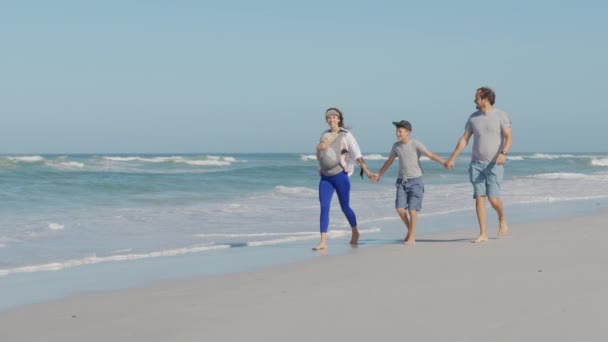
{"x":256,"y":76}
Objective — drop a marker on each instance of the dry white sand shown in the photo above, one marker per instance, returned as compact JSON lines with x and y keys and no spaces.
{"x":546,"y":281}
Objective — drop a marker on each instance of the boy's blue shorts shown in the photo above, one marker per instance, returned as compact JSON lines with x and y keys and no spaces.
{"x":409,"y":193}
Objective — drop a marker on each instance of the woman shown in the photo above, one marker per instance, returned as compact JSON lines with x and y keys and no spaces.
{"x":334,"y":176}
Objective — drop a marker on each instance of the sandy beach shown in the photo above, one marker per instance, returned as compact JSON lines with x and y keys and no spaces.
{"x":545,"y":281}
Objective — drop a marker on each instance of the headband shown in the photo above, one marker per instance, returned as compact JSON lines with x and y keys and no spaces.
{"x":332,"y":112}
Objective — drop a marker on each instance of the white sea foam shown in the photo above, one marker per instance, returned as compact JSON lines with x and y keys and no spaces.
{"x":56,"y":266}
{"x":205,"y":162}
{"x":208,"y":161}
{"x":599,"y":161}
{"x":283,"y":240}
{"x":515,"y":158}
{"x":560,"y":175}
{"x":425,"y":158}
{"x":55,"y":226}
{"x":552,"y":199}
{"x":308,"y":157}
{"x":119,"y":251}
{"x":309,"y":236}
{"x":550,"y":156}
{"x":27,"y":159}
{"x":285,"y":190}
{"x":121,"y":158}
{"x":250,"y":235}
{"x":375,"y":157}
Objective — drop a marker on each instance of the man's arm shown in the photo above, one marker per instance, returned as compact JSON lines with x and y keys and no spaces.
{"x":502,"y":157}
{"x":460,"y":146}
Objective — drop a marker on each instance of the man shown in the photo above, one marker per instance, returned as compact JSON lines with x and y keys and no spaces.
{"x":491,"y":129}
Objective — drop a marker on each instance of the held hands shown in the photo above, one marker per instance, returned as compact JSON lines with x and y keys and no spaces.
{"x":449,"y":164}
{"x":374,"y":177}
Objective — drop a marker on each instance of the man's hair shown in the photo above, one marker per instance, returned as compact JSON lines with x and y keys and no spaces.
{"x":487,"y":93}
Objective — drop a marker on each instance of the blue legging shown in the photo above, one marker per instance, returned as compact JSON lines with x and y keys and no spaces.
{"x":341,"y":184}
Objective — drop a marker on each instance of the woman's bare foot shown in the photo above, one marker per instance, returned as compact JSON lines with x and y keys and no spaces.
{"x":322,"y":243}
{"x":480,"y":238}
{"x":355,"y":237}
{"x":319,"y":247}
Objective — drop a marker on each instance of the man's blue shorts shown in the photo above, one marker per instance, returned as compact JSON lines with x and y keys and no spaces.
{"x":409,"y":193}
{"x":486,"y":178}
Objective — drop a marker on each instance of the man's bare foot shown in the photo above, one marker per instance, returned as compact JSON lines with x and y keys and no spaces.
{"x":319,"y":247}
{"x":480,"y":238}
{"x":409,"y":242}
{"x":502,"y":229}
{"x":355,"y":237}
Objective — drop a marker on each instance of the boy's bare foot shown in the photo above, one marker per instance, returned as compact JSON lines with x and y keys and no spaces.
{"x":355,"y":237}
{"x":319,"y":247}
{"x":502,"y":229}
{"x":480,"y":238}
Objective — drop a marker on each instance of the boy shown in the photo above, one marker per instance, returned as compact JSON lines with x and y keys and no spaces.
{"x":410,"y":187}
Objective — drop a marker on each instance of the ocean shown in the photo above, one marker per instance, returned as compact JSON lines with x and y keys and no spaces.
{"x":80,"y":223}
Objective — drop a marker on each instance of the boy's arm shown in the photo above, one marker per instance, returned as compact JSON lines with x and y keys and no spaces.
{"x":433,"y":156}
{"x":385,"y":167}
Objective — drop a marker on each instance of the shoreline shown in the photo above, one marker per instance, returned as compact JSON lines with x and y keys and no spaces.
{"x":545,"y":280}
{"x":39,"y":287}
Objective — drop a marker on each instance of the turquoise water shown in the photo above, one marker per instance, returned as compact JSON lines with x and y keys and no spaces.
{"x":74,"y":223}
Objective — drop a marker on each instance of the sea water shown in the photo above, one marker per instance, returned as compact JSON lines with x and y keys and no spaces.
{"x":78,"y":223}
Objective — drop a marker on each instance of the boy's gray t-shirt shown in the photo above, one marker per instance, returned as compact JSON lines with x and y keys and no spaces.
{"x":487,"y":133}
{"x":409,"y":158}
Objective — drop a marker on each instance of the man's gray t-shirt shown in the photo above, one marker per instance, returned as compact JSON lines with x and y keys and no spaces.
{"x":409,"y":158}
{"x":487,"y":133}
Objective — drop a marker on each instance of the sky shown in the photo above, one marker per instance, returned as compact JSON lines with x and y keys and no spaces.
{"x":256,"y":76}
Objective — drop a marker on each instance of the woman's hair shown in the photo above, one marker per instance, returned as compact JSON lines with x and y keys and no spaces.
{"x":341,"y":123}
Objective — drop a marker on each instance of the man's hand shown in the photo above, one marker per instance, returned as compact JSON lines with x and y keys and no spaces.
{"x":449,"y":164}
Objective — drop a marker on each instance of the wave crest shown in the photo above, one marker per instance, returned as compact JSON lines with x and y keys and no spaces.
{"x":560,"y":175}
{"x":307,"y":157}
{"x":194,"y":161}
{"x":599,"y":161}
{"x":375,"y":156}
